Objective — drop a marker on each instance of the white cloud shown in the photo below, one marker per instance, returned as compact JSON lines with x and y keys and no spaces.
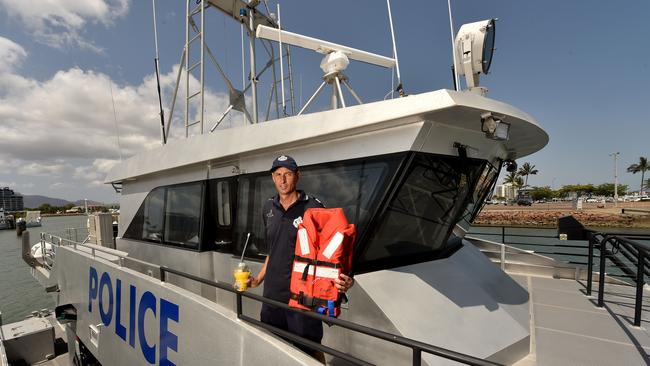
{"x":11,"y":54}
{"x":59,"y":185}
{"x":65,"y":127}
{"x":95,"y":172}
{"x":59,"y":23}
{"x":37,"y":169}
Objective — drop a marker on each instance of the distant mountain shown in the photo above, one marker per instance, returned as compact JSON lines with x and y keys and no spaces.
{"x":34,"y":201}
{"x":90,"y":203}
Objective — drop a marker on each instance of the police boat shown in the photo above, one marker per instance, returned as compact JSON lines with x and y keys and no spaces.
{"x":410,"y":172}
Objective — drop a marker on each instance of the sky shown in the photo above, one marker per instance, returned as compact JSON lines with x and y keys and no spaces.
{"x":78,"y":89}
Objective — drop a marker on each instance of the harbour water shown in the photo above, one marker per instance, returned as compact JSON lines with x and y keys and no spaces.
{"x":19,"y":292}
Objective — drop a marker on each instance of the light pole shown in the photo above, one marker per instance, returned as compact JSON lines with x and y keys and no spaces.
{"x":615,"y":155}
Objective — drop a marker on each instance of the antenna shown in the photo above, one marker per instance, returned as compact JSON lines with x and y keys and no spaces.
{"x":337,"y":58}
{"x":157,"y":66}
{"x":323,"y":47}
{"x":392,"y":34}
{"x":117,"y":130}
{"x":453,"y":46}
{"x":284,"y":108}
{"x":243,"y":65}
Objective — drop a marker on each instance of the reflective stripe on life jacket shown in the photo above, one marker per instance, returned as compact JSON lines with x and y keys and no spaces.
{"x":324,"y":248}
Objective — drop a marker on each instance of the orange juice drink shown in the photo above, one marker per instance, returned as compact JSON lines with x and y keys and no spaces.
{"x":242,"y":273}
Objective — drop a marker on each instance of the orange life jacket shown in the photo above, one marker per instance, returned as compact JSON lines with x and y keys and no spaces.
{"x":324,"y":248}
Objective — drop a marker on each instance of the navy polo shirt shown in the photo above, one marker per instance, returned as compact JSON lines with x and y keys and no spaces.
{"x":281,"y":231}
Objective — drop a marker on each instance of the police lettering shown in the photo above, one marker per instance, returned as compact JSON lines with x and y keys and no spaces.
{"x":109,"y":296}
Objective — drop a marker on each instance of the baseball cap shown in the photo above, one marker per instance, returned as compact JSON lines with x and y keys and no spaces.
{"x":284,"y":161}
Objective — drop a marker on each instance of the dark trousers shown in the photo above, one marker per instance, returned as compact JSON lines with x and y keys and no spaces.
{"x":295,"y":323}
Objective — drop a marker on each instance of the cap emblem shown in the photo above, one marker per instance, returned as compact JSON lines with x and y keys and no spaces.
{"x":282,"y":158}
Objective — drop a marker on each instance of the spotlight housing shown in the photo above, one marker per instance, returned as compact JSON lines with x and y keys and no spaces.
{"x":474,"y":50}
{"x":494,"y":127}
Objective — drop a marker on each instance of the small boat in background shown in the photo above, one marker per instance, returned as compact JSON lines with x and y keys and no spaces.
{"x":33,"y":218}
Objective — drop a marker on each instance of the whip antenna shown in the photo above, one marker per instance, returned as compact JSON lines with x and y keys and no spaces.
{"x":284,"y":107}
{"x":117,"y":130}
{"x":157,"y":66}
{"x":399,"y":89}
{"x":453,"y":46}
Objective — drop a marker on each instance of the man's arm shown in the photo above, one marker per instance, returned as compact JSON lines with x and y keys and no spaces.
{"x":255,"y":281}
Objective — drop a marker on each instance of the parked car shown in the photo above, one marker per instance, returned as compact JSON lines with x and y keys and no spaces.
{"x":524,"y":202}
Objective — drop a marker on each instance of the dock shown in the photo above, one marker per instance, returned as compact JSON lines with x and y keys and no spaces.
{"x":567,"y":328}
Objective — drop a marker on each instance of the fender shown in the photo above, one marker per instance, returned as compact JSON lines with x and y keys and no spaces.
{"x":324,"y":248}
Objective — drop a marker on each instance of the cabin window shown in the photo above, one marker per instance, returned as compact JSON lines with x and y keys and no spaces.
{"x":147,"y":224}
{"x":484,"y":187}
{"x":219,"y":215}
{"x":170,"y":215}
{"x":356,"y":185}
{"x":183,"y":215}
{"x":418,"y":219}
{"x":223,"y":203}
{"x":253,"y":191}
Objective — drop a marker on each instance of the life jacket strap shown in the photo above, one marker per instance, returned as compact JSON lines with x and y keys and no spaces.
{"x":316,"y":262}
{"x":311,"y":302}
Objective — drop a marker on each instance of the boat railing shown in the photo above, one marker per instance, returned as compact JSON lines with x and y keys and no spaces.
{"x":628,"y":254}
{"x":121,"y":258}
{"x":417,"y":347}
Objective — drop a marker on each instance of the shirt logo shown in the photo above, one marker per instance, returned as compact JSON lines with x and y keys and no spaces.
{"x":282,"y":158}
{"x":270,"y":213}
{"x":297,"y":221}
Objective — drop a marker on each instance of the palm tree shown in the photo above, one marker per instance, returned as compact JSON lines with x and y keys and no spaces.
{"x":526,"y":170}
{"x":515,"y":179}
{"x":642,"y":167}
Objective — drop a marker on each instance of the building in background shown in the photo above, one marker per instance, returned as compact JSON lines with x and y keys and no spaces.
{"x":10,"y":201}
{"x":507,"y":191}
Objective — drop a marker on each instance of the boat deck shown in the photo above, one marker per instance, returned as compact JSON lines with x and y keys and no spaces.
{"x":567,"y":328}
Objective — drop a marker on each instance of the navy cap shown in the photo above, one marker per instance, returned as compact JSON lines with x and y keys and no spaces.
{"x":284,"y":161}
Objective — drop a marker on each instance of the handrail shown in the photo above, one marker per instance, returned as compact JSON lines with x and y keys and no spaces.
{"x":616,"y":241}
{"x":416,"y":346}
{"x":122,"y":257}
{"x":503,"y":235}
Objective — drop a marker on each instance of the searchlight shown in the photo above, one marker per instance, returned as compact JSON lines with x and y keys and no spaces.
{"x":474,"y":45}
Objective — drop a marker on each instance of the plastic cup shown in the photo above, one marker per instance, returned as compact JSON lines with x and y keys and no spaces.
{"x":242,"y":273}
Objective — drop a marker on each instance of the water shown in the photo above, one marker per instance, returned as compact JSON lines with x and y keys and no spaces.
{"x":20,"y":293}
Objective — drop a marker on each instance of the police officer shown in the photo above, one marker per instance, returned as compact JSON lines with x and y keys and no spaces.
{"x":281,"y":215}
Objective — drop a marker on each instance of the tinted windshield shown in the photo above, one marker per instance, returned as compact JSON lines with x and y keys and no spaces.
{"x":354,"y":185}
{"x":483,"y":188}
{"x":423,"y":210}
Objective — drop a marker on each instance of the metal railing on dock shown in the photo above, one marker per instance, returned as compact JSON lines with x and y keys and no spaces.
{"x":635,"y":252}
{"x":416,"y":346}
{"x":571,"y":250}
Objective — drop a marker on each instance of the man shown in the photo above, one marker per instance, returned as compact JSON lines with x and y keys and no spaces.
{"x":281,"y":215}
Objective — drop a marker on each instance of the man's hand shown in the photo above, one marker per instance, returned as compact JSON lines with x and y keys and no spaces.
{"x":343,"y":283}
{"x":254,"y":281}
